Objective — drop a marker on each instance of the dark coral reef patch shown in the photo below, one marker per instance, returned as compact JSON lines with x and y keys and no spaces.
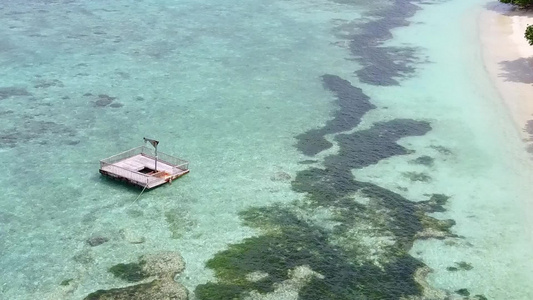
{"x":424,"y":160}
{"x":103,"y":100}
{"x":39,"y":131}
{"x":131,"y":272}
{"x":359,"y":245}
{"x":463,"y":266}
{"x":353,"y":105}
{"x":155,"y":272}
{"x":382,"y":65}
{"x":11,"y":91}
{"x":359,"y":248}
{"x":345,"y":263}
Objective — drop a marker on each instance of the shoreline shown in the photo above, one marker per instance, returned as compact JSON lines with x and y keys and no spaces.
{"x":508,"y":60}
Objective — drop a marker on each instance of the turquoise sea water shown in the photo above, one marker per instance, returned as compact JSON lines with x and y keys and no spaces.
{"x":359,"y":140}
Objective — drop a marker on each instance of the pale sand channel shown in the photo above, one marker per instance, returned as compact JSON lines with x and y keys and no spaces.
{"x":509,"y":60}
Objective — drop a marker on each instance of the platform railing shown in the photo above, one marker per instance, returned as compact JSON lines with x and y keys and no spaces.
{"x":178,"y":165}
{"x":118,"y":157}
{"x":180,"y":168}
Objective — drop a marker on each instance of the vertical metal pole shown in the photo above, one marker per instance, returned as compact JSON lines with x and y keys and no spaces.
{"x":156,"y":158}
{"x":154,"y":143}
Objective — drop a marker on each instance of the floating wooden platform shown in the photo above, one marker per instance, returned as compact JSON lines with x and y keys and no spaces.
{"x":137,"y":166}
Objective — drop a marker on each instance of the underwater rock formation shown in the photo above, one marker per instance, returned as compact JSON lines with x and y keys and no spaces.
{"x":288,"y":289}
{"x":280,"y":176}
{"x":11,"y":91}
{"x":417,"y":176}
{"x":163,"y":264}
{"x":43,"y":83}
{"x":158,"y":289}
{"x":96,"y":240}
{"x":103,"y":100}
{"x":131,"y":236}
{"x":460,"y":266}
{"x":162,"y":267}
{"x":424,"y":160}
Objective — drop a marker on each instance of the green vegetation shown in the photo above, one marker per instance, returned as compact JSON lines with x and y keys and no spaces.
{"x":132,"y":272}
{"x":520,"y":3}
{"x":354,"y":237}
{"x":291,"y":242}
{"x":416,"y":176}
{"x":441,"y":149}
{"x":463,"y":292}
{"x":66,"y":281}
{"x":160,"y":267}
{"x":523,"y":4}
{"x":424,"y":160}
{"x":460,"y":266}
{"x":529,"y":34}
{"x":139,"y":291}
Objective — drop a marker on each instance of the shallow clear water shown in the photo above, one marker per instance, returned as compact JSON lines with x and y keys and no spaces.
{"x":247,"y":91}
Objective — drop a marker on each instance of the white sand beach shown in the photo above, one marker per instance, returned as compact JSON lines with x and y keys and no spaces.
{"x":509,"y":59}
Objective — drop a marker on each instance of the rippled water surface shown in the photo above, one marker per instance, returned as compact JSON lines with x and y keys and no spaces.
{"x":338,"y":150}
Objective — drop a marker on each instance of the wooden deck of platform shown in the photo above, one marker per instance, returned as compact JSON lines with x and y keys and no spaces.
{"x":139,"y":170}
